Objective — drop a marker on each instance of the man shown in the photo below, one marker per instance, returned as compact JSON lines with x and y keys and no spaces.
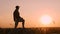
{"x":17,"y":17}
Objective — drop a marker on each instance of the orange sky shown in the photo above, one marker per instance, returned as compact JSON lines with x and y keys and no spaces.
{"x":31,"y":11}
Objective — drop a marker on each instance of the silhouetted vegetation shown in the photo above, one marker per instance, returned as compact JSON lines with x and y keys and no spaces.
{"x":46,"y":30}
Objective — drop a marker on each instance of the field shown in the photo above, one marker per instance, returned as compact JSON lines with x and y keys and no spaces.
{"x":42,"y":30}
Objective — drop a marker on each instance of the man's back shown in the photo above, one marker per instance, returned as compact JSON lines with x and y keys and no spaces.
{"x":16,"y":14}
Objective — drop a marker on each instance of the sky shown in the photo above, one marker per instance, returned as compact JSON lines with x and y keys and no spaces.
{"x":31,"y":11}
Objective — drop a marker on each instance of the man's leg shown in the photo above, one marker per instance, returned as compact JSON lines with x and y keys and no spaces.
{"x":16,"y":23}
{"x":23,"y":23}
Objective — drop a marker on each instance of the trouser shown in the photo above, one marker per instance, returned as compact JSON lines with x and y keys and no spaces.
{"x":16,"y":23}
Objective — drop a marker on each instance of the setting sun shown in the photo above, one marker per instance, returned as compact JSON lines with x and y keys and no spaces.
{"x":45,"y":19}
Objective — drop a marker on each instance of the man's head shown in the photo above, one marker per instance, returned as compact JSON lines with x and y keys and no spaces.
{"x":17,"y":7}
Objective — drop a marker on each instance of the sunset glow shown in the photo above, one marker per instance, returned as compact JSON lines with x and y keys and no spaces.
{"x":46,"y":19}
{"x":37,"y":13}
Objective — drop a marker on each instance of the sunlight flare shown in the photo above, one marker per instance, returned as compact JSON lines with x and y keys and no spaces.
{"x":45,"y":19}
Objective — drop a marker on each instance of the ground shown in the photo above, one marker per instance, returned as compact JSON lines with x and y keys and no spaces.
{"x":45,"y":30}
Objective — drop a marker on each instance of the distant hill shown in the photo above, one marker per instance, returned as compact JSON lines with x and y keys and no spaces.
{"x":46,"y":30}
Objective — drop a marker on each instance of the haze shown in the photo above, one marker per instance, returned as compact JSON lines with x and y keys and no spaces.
{"x":31,"y":11}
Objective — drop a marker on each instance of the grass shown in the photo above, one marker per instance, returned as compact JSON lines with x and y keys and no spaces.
{"x":42,"y":30}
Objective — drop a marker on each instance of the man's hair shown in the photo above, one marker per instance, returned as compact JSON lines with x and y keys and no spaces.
{"x":17,"y":6}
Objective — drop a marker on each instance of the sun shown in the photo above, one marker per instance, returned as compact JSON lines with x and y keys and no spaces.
{"x":45,"y":19}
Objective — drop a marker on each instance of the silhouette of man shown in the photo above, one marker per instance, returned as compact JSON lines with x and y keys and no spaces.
{"x":17,"y":17}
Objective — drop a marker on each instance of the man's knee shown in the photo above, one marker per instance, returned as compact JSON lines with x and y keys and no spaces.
{"x":23,"y":21}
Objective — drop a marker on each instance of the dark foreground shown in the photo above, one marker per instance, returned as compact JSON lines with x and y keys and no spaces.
{"x":47,"y":30}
